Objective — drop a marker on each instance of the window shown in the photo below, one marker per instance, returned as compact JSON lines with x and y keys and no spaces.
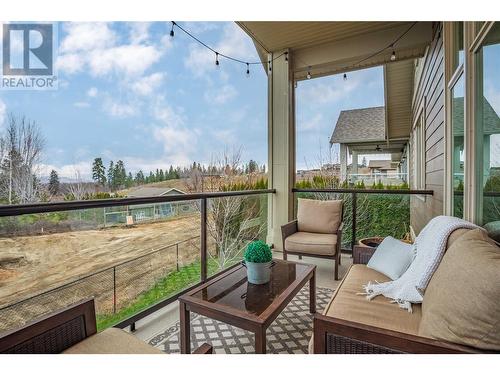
{"x":487,"y":127}
{"x":458,"y":155}
{"x":418,"y":151}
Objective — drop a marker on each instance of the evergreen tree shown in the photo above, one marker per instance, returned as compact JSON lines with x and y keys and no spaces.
{"x":130,"y":180}
{"x":99,"y":171}
{"x":252,"y":166}
{"x":162,"y":175}
{"x":139,"y":178}
{"x":111,"y":172}
{"x":53,"y":183}
{"x":119,"y":175}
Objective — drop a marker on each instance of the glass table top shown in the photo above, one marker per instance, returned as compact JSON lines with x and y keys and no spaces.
{"x":235,"y":291}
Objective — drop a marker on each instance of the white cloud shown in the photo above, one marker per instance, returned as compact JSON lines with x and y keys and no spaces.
{"x":225,"y":136}
{"x":311,"y":124}
{"x":119,"y":109}
{"x":147,"y":85}
{"x":3,"y":112}
{"x":92,"y":92}
{"x":69,"y":171}
{"x":326,"y":93}
{"x":94,"y":46}
{"x":81,"y":104}
{"x":84,"y":37}
{"x":139,"y":32}
{"x":493,"y":96}
{"x":234,"y":42}
{"x":178,"y":141}
{"x":221,"y":95}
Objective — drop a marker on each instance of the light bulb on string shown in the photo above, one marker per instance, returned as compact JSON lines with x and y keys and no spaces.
{"x":248,"y":70}
{"x":345,"y":76}
{"x":393,"y":56}
{"x":309,"y":73}
{"x":172,"y":30}
{"x":286,"y":56}
{"x":217,"y":59}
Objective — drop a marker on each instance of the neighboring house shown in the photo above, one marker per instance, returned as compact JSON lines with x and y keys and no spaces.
{"x":151,"y":211}
{"x":383,"y":167}
{"x":363,"y":131}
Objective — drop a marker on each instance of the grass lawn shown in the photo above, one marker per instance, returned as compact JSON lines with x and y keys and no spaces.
{"x":171,"y":284}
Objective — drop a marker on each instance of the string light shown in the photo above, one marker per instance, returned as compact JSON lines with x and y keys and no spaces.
{"x":345,"y":76}
{"x":172,"y":30}
{"x":393,"y":56}
{"x":309,"y":72}
{"x":219,"y":54}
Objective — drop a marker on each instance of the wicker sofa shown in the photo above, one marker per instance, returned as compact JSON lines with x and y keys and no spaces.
{"x":73,"y":330}
{"x":351,"y":324}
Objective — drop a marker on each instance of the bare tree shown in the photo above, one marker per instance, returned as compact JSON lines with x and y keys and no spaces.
{"x":232,"y":221}
{"x":78,"y":189}
{"x":21,"y":147}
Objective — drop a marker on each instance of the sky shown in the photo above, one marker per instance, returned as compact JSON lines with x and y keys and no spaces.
{"x":129,"y":91}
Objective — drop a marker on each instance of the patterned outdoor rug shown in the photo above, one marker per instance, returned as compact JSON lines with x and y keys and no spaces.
{"x":289,"y":333}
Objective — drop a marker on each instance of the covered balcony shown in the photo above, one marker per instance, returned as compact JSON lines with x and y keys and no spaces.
{"x":176,"y":289}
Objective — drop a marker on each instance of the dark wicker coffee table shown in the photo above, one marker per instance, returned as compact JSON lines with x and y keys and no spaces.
{"x":229,"y":298}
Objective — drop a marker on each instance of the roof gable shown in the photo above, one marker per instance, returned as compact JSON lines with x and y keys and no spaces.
{"x":360,"y":125}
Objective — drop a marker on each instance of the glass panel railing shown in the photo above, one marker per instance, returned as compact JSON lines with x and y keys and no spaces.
{"x":233,"y":222}
{"x":55,"y":259}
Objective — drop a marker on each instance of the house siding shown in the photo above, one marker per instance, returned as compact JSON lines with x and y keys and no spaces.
{"x":429,"y":94}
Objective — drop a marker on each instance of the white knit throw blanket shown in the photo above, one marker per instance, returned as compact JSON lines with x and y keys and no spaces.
{"x":429,"y":248}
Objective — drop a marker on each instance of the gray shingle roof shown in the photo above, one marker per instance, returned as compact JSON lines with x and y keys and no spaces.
{"x":358,"y":125}
{"x":147,"y":191}
{"x":491,"y":121}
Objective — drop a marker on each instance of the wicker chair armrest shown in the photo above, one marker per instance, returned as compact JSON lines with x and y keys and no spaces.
{"x":356,"y":338}
{"x":204,"y":349}
{"x":289,"y":229}
{"x":362,"y":254}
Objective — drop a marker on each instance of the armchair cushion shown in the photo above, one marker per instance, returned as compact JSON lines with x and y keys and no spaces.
{"x":317,"y":216}
{"x":112,"y":341}
{"x":312,"y":243}
{"x":461,"y":302}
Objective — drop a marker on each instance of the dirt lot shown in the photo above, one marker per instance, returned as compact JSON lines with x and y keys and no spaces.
{"x":32,"y":264}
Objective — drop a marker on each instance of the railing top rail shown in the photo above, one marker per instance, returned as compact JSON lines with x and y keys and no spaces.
{"x":36,"y":208}
{"x":366,"y":191}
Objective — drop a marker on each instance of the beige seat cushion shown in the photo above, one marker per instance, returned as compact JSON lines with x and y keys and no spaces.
{"x":455,"y":235}
{"x":317,"y":216}
{"x":379,"y":312}
{"x":112,"y":341}
{"x":461,"y":303}
{"x":311,"y":243}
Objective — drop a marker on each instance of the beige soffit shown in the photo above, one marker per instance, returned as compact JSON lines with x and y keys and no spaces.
{"x":398,"y":78}
{"x":325,"y":48}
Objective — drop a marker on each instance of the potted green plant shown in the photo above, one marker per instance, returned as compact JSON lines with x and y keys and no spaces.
{"x":258,"y":260}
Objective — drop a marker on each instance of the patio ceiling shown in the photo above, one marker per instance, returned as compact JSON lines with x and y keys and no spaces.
{"x":325,"y":48}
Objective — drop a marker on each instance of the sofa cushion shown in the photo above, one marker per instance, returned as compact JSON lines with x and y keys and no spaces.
{"x":392,"y":257}
{"x":112,"y":341}
{"x":318,"y":216}
{"x":461,"y":303}
{"x":347,"y":304}
{"x":311,"y":243}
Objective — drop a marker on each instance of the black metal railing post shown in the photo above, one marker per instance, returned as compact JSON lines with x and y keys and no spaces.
{"x":354,"y":197}
{"x":114,"y":290}
{"x":203,"y":239}
{"x":177,"y":256}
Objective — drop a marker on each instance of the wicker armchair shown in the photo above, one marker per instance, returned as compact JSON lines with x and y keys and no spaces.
{"x":73,"y":330}
{"x":317,"y":232}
